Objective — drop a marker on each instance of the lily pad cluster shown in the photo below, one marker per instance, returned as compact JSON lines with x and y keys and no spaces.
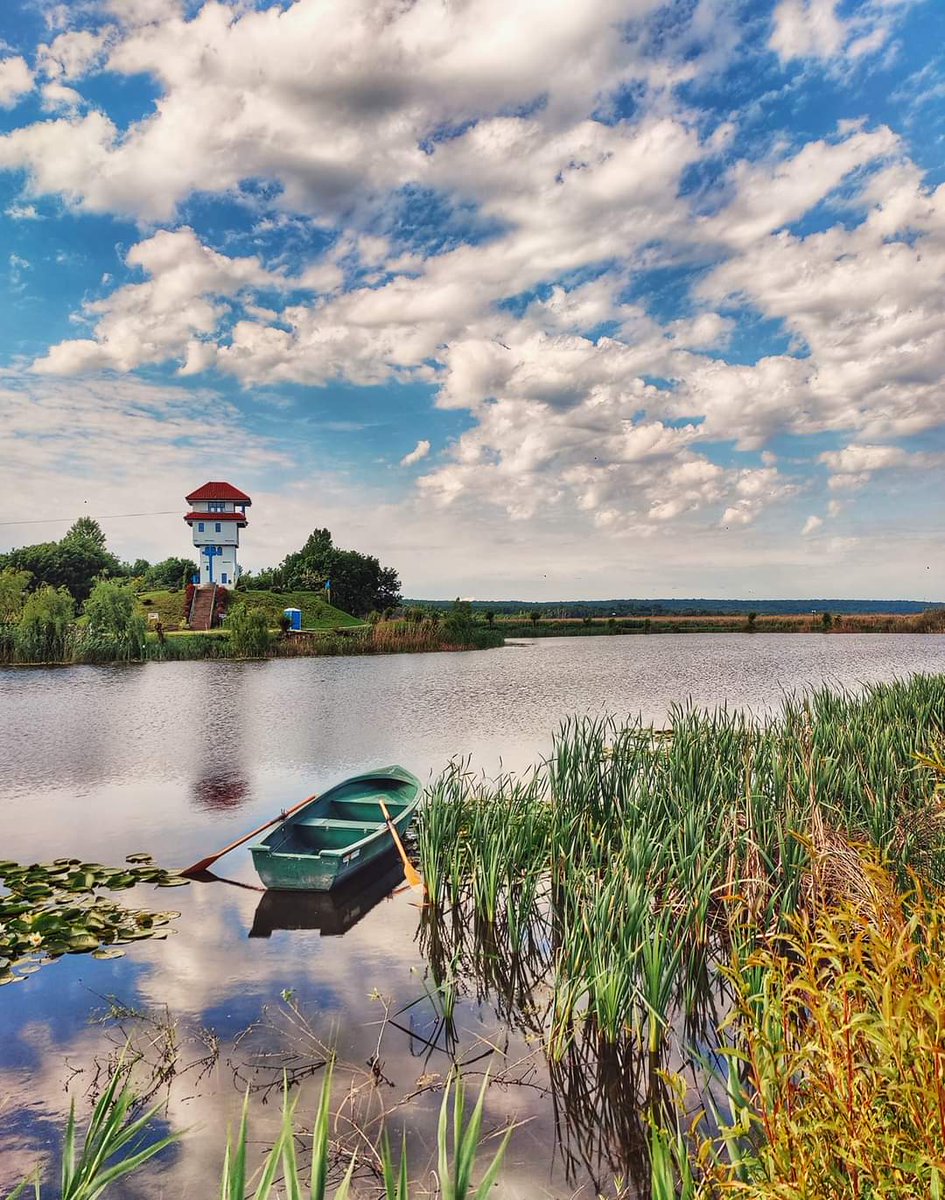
{"x":62,"y":907}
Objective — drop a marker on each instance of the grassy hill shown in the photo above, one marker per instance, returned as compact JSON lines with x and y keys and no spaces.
{"x":316,"y":613}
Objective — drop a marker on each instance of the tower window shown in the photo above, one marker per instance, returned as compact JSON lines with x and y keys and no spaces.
{"x":200,"y":526}
{"x":218,"y":526}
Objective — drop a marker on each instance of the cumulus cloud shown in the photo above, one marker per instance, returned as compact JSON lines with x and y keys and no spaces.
{"x":327,"y":98}
{"x":421,"y":450}
{"x":811,"y":525}
{"x":22,"y":212}
{"x":71,"y":55}
{"x":814,"y":29}
{"x":165,"y":316}
{"x":16,"y":79}
{"x":807,"y":29}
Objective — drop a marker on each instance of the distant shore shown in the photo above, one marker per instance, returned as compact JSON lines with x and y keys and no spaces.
{"x":927,"y":621}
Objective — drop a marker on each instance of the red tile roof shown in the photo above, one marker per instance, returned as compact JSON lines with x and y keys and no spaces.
{"x":218,"y":491}
{"x":214,"y":516}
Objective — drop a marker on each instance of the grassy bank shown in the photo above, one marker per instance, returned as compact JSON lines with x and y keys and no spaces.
{"x":641,"y":903}
{"x":316,"y":612}
{"x":384,"y":637}
{"x":929,"y":621}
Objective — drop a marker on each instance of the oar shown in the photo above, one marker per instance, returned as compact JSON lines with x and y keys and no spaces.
{"x":204,"y":863}
{"x":410,"y":872}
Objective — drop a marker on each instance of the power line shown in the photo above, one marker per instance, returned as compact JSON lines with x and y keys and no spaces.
{"x":164,"y":512}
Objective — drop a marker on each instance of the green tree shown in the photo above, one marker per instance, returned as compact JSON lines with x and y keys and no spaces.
{"x":170,"y":573}
{"x":358,"y":581}
{"x":534,"y":616}
{"x":75,"y":562}
{"x":113,"y":621}
{"x":249,"y":631}
{"x":87,"y":529}
{"x":490,"y":617}
{"x":13,"y":587}
{"x":43,"y":629}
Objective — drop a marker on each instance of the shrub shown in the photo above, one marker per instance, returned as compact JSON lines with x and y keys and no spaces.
{"x":114,"y":628}
{"x":43,"y":629}
{"x":249,"y":632}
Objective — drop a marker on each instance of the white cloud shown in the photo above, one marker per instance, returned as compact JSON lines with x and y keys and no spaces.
{"x":328,"y":98}
{"x":807,"y":29}
{"x":22,"y":212}
{"x":165,"y":316}
{"x":813,"y":29}
{"x":16,"y":79}
{"x":421,"y":450}
{"x":811,"y":525}
{"x":72,"y":55}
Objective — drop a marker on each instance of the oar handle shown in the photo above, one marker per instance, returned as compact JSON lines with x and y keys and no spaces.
{"x":204,"y":863}
{"x":410,"y":872}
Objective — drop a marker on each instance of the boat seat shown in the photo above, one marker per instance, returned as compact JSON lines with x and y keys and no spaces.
{"x":337,"y":823}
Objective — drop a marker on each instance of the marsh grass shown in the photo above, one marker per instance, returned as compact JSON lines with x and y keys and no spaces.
{"x":836,"y":1061}
{"x":602,"y":899}
{"x":639,"y":859}
{"x":121,"y":1138}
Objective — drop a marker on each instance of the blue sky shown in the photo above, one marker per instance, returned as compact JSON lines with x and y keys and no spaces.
{"x":529,"y":298}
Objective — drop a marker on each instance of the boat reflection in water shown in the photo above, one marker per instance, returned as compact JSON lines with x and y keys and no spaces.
{"x":334,"y":912}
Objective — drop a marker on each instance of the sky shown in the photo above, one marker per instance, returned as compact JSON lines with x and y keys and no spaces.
{"x":529,"y":298}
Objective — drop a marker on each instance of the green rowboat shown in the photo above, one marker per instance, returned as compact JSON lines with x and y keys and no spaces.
{"x":339,"y":834}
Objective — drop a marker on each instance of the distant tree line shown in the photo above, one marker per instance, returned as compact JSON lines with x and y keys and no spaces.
{"x":550,"y":610}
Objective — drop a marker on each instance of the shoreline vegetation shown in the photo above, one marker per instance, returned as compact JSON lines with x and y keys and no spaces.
{"x":119,"y":623}
{"x":45,"y":629}
{"x":731,"y":931}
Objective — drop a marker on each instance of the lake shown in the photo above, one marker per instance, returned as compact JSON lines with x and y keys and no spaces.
{"x":177,"y":759}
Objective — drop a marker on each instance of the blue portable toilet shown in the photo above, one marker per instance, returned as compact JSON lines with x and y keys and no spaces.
{"x":295,"y":617}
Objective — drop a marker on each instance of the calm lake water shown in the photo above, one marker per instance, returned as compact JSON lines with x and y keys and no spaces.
{"x":177,"y":759}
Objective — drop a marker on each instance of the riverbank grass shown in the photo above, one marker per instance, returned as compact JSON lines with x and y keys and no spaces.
{"x":672,"y":900}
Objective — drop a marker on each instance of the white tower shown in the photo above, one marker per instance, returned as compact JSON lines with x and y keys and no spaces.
{"x":217,"y":513}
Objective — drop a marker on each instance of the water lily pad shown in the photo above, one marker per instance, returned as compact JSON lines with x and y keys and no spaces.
{"x":108,"y":952}
{"x":57,"y":908}
{"x":82,"y":942}
{"x":138,"y":858}
{"x":174,"y":881}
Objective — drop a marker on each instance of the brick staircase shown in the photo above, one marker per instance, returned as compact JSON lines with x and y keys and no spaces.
{"x":201,"y":609}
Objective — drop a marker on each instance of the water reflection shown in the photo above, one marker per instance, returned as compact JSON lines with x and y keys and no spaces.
{"x":331,"y":913}
{"x":218,"y":793}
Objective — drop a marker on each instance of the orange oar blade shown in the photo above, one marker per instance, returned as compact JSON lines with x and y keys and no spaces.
{"x":410,"y":872}
{"x":198,"y":867}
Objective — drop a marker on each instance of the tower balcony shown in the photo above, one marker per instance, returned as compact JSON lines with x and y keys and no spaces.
{"x":211,"y":517}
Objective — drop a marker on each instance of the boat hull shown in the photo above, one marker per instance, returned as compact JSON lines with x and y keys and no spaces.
{"x":339,"y":835}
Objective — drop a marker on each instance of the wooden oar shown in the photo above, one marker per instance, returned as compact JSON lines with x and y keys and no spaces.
{"x":410,"y":872}
{"x":204,"y":863}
